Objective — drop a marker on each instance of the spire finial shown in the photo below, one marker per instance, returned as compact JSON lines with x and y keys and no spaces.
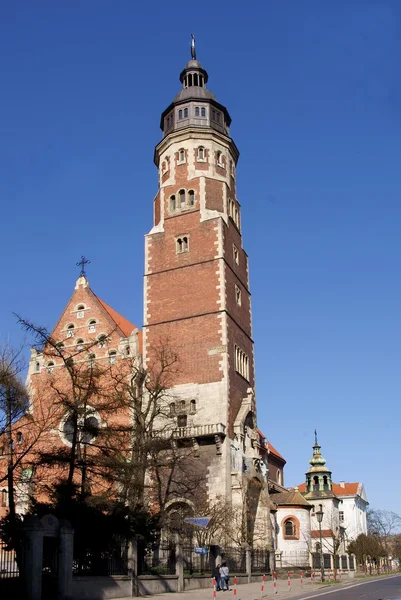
{"x":316,"y":438}
{"x":193,"y":50}
{"x":81,"y":263}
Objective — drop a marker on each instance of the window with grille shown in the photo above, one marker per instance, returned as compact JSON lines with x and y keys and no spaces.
{"x":241,"y":363}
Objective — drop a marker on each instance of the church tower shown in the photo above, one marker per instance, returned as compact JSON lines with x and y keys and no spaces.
{"x":197,"y":286}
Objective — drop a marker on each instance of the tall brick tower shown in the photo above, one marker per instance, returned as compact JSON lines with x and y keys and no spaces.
{"x":197,"y":291}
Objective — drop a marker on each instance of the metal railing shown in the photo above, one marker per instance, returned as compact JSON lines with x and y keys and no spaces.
{"x":8,"y":562}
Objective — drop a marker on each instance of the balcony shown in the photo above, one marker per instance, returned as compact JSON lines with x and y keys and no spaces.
{"x":195,"y":431}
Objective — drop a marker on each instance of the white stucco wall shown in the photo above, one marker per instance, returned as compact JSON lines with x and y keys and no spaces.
{"x":354,"y":509}
{"x":303,"y":530}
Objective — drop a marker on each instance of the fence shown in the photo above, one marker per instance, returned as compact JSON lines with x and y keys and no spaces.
{"x":8,"y":562}
{"x":297,"y":559}
{"x":9,"y":574}
{"x":235,"y":559}
{"x":260,"y":561}
{"x":113,"y":560}
{"x":160,"y":559}
{"x":195,"y":563}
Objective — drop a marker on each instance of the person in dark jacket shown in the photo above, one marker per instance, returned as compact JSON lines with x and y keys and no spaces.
{"x":216,"y":576}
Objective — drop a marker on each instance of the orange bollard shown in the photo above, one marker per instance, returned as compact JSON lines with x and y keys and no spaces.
{"x":275,"y":582}
{"x":302,"y":577}
{"x":214,"y":587}
{"x":289,"y":580}
{"x":262,"y":587}
{"x":235,"y":586}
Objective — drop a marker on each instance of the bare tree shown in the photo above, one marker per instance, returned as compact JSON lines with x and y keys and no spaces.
{"x":77,"y":392}
{"x":383,"y":523}
{"x":13,"y":404}
{"x":147,"y":460}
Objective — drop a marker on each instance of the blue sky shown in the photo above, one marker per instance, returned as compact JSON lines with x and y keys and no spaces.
{"x":314,"y":92}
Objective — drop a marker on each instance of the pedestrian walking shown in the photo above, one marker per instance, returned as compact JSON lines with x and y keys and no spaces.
{"x":224,"y":578}
{"x":216,"y":575}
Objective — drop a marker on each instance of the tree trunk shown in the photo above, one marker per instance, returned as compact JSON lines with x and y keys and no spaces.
{"x":10,"y":466}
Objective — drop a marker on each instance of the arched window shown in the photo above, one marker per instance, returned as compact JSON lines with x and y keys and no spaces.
{"x":316,"y":483}
{"x":191,"y":198}
{"x":185,"y":113}
{"x":192,"y":407}
{"x":19,"y":437}
{"x":201,"y":153}
{"x":203,"y":111}
{"x":172,"y":409}
{"x":180,"y":115}
{"x":173,"y":204}
{"x":181,"y":155}
{"x":325,"y":482}
{"x":220,"y":159}
{"x":112,"y":357}
{"x":102,"y":341}
{"x":182,"y":405}
{"x":181,"y":198}
{"x":289,"y":528}
{"x":70,"y":330}
{"x":4,"y":498}
{"x":37,"y":367}
{"x":92,"y":326}
{"x":50,"y":366}
{"x":197,"y":111}
{"x":80,"y":345}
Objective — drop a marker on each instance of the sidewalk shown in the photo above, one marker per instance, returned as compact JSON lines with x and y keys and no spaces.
{"x":250,"y":591}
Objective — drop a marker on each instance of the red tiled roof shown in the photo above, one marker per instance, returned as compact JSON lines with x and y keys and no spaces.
{"x":270,"y":446}
{"x":325,"y":533}
{"x":122,"y":323}
{"x":349,"y":489}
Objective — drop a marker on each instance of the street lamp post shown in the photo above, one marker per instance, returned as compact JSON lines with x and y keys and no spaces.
{"x":319,"y":516}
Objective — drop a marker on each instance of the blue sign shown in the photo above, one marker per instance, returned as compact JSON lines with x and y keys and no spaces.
{"x":199,"y":521}
{"x":200,"y":550}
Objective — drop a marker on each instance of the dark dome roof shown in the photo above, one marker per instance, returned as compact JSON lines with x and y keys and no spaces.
{"x":193,"y":64}
{"x":196,"y":92}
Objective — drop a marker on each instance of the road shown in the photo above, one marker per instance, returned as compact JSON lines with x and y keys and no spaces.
{"x":388,"y":588}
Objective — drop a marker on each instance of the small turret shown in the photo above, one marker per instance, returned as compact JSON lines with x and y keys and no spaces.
{"x":318,"y":476}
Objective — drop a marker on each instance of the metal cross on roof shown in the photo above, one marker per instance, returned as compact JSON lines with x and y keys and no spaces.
{"x":315,"y":437}
{"x":81,"y":263}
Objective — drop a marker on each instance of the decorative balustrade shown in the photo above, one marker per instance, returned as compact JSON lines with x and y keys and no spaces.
{"x":191,"y":431}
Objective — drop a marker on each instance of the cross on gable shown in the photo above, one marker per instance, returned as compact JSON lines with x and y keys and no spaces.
{"x":81,"y":263}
